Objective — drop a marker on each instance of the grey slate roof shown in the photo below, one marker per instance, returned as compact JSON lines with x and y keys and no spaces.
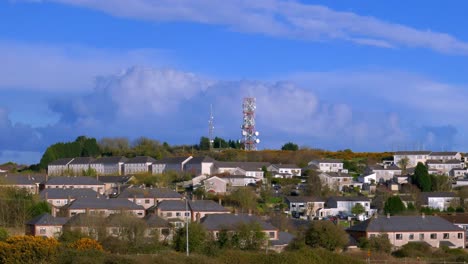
{"x":64,"y":161}
{"x":99,"y":203}
{"x":21,"y":179}
{"x":115,"y":179}
{"x":380,"y":167}
{"x":109,"y":160}
{"x":329,"y":161}
{"x":349,"y":198}
{"x":285,"y":166}
{"x":85,"y":220}
{"x":214,"y":222}
{"x":171,"y":160}
{"x":60,"y":193}
{"x":405,"y":224}
{"x":303,"y":199}
{"x":453,"y":161}
{"x":46,"y":219}
{"x":337,"y":174}
{"x":284,"y":238}
{"x":172,"y":205}
{"x":444,"y":153}
{"x":199,"y":160}
{"x":249,"y":166}
{"x":75,"y":180}
{"x":149,"y":193}
{"x":140,"y":159}
{"x":153,"y":220}
{"x":206,"y":206}
{"x":82,"y":160}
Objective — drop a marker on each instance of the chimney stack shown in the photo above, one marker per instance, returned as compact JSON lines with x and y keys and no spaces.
{"x":68,"y":199}
{"x":235,"y":211}
{"x":423,"y":215}
{"x":250,"y":212}
{"x":220,"y":202}
{"x":388,"y":216}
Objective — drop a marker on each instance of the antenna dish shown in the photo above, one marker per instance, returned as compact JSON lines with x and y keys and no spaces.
{"x":257,"y":133}
{"x":257,"y":140}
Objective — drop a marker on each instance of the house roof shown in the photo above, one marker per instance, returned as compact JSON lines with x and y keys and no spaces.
{"x":303,"y":199}
{"x":349,"y":199}
{"x":248,"y":166}
{"x":236,"y":177}
{"x":140,"y":159}
{"x":84,"y":219}
{"x":149,"y":193}
{"x":75,"y":180}
{"x":453,"y":161}
{"x":61,"y":193}
{"x":63,"y":161}
{"x":424,"y":152}
{"x":21,"y":179}
{"x":328,"y":161}
{"x":337,"y":174}
{"x":404,"y":224}
{"x":100,"y":203}
{"x":444,"y":153}
{"x":115,"y":179}
{"x":456,"y":218}
{"x":46,"y":219}
{"x":380,"y":167}
{"x":109,"y":160}
{"x":285,"y":166}
{"x":172,"y":160}
{"x":82,"y":160}
{"x":213,"y":222}
{"x":206,"y":206}
{"x":284,"y":238}
{"x":172,"y":205}
{"x":152,"y":220}
{"x":199,"y":160}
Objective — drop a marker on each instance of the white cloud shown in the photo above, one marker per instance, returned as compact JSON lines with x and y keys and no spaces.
{"x":280,"y":18}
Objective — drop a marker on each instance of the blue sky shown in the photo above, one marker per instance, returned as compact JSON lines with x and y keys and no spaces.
{"x":366,"y":75}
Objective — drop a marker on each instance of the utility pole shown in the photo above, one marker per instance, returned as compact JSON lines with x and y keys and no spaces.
{"x":186,"y":226}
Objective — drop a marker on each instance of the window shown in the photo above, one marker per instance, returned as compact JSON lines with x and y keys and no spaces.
{"x":460,"y":235}
{"x":187,"y":214}
{"x":272,"y":234}
{"x":399,"y":236}
{"x":433,"y":236}
{"x":42,"y":231}
{"x":177,"y":214}
{"x":446,"y":236}
{"x":169,"y":214}
{"x":411,"y":237}
{"x":421,"y":236}
{"x":139,"y":213}
{"x":147,"y":201}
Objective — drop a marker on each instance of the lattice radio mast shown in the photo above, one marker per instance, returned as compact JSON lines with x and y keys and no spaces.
{"x":249,"y":133}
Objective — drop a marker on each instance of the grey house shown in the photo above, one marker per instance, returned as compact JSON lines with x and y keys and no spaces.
{"x":139,"y":164}
{"x":80,"y":165}
{"x":170,"y":164}
{"x":109,"y":165}
{"x":75,"y":182}
{"x":58,"y":167}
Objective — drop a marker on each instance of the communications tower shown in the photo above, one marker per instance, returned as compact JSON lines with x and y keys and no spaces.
{"x":211,"y":127}
{"x":249,"y":133}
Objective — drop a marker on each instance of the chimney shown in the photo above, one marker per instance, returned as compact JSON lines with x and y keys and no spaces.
{"x":250,"y":212}
{"x":423,"y":215}
{"x":68,"y":199}
{"x":388,"y":216}
{"x":220,"y":201}
{"x":235,"y":212}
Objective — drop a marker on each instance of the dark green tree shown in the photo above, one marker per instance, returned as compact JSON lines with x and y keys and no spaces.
{"x":421,"y":178}
{"x":394,"y":205}
{"x":204,"y":143}
{"x":198,"y":237}
{"x":325,"y":234}
{"x":290,"y":146}
{"x":358,"y":209}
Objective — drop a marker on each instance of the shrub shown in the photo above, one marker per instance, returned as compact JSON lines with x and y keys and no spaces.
{"x":414,"y":249}
{"x":86,"y":244}
{"x":28,"y":249}
{"x":327,"y":235}
{"x":3,"y":234}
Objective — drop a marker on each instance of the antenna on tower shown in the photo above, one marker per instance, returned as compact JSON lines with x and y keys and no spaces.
{"x":249,"y":133}
{"x":211,"y":127}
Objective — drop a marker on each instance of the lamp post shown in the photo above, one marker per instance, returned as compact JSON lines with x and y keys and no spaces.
{"x":186,"y":226}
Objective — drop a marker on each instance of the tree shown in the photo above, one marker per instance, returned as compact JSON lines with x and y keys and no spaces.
{"x":379,"y":243}
{"x":440,"y":183}
{"x":84,"y":244}
{"x":248,"y":236}
{"x":3,"y":234}
{"x":39,"y":208}
{"x":313,"y":184}
{"x":325,"y":234}
{"x":197,"y":238}
{"x":245,"y":198}
{"x":290,"y":146}
{"x":394,"y":205}
{"x":421,"y":178}
{"x":403,"y":164}
{"x":204,"y":143}
{"x":358,"y":209}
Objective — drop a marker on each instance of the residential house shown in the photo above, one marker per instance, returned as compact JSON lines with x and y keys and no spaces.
{"x":175,"y":164}
{"x":284,"y":170}
{"x":109,"y":165}
{"x":459,"y":173}
{"x":92,"y":225}
{"x":252,"y":169}
{"x":61,"y":197}
{"x":414,"y":157}
{"x":401,"y":179}
{"x":344,"y":204}
{"x":445,"y":155}
{"x":338,"y":180}
{"x":328,"y":165}
{"x":176,"y":212}
{"x":139,"y":164}
{"x":460,"y":183}
{"x":215,"y":184}
{"x":443,"y":167}
{"x":158,"y":226}
{"x":201,"y":208}
{"x":80,"y":165}
{"x":114,"y":184}
{"x":384,"y":172}
{"x":75,"y":182}
{"x":58,"y":167}
{"x":401,"y":230}
{"x":368,"y":178}
{"x":460,"y":220}
{"x":307,"y":206}
{"x":200,"y":166}
{"x":104,"y":207}
{"x":439,"y":200}
{"x":224,"y":184}
{"x":148,"y":197}
{"x":45,"y":225}
{"x":28,"y":182}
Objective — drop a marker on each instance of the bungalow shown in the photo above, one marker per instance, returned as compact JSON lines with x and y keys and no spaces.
{"x":75,"y":182}
{"x":443,"y":167}
{"x":200,"y":166}
{"x":148,"y":197}
{"x":284,"y":170}
{"x":45,"y":225}
{"x":439,"y":200}
{"x":139,"y":164}
{"x":80,"y":165}
{"x":224,"y":184}
{"x":105,"y":207}
{"x":252,"y":169}
{"x":109,"y":165}
{"x":58,"y":167}
{"x":414,"y":157}
{"x":304,"y":205}
{"x":401,"y":230}
{"x":344,"y":204}
{"x":175,"y":164}
{"x":460,"y":220}
{"x":328,"y":165}
{"x":28,"y":182}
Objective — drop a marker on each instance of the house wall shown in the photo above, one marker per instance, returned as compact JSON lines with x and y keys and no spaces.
{"x":215,"y":185}
{"x":104,"y":212}
{"x":145,"y":202}
{"x":78,"y":168}
{"x":59,"y":202}
{"x":97,"y":188}
{"x":330,"y":167}
{"x":56,"y":170}
{"x":44,"y":231}
{"x":412,"y":159}
{"x":137,"y":168}
{"x":385,"y":175}
{"x":441,"y":203}
{"x":200,"y":214}
{"x":456,"y":238}
{"x":182,"y":215}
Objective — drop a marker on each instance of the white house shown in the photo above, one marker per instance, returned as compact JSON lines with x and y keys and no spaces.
{"x":443,"y":167}
{"x":58,"y":167}
{"x":338,"y":180}
{"x":439,"y":200}
{"x":80,"y":164}
{"x":446,"y":155}
{"x":344,"y":205}
{"x":251,"y":169}
{"x":368,"y":178}
{"x":384,"y":173}
{"x":328,"y":165}
{"x":108,"y":165}
{"x":458,"y":173}
{"x":215,"y":185}
{"x":200,"y":166}
{"x":284,"y":170}
{"x":413,"y":157}
{"x":175,"y":164}
{"x":304,"y":205}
